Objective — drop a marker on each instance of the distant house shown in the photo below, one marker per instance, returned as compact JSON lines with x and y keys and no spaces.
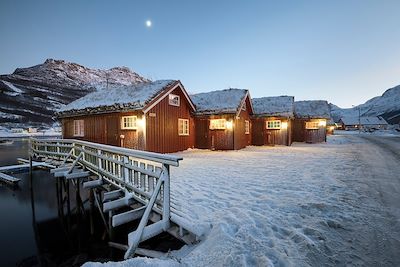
{"x":152,"y":116}
{"x":32,"y":130}
{"x":222,"y":119}
{"x":310,"y":121}
{"x":331,"y":126}
{"x":365,"y":122}
{"x":272,"y":120}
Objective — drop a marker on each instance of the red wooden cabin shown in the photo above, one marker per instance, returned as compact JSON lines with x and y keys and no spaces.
{"x":310,"y":121}
{"x":272,"y":120}
{"x":152,"y":116}
{"x":222,"y":119}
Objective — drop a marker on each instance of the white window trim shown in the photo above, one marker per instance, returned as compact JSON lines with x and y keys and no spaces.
{"x":273,"y":122}
{"x":123,"y":127}
{"x":220,"y":126}
{"x":172,"y":97}
{"x":79,"y":128}
{"x":312,"y":125}
{"x":247,"y":127}
{"x":183,"y":121}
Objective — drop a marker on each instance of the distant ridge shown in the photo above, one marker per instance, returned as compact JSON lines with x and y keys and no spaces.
{"x":30,"y":96}
{"x":387,"y":106}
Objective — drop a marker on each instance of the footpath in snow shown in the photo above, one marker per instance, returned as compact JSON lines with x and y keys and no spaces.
{"x":304,"y":205}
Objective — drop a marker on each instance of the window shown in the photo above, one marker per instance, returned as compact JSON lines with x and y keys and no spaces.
{"x":174,"y":100}
{"x":310,"y":125}
{"x":274,"y":124}
{"x":217,"y":124}
{"x":79,"y":129}
{"x":247,"y":127}
{"x":129,"y":122}
{"x":183,"y":127}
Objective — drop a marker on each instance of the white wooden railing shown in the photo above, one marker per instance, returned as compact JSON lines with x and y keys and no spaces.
{"x":139,"y":176}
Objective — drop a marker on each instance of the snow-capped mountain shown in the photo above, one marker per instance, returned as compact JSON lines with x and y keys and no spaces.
{"x":387,"y":106}
{"x":31,"y":95}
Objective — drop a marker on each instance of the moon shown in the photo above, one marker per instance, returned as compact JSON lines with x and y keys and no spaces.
{"x":148,"y":23}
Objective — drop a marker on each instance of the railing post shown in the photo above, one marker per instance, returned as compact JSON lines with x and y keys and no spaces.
{"x":58,"y":150}
{"x":99,"y":159}
{"x":83,"y":153}
{"x":126,"y":170}
{"x":166,"y":194}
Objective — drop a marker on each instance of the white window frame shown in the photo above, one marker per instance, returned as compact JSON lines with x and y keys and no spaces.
{"x":312,"y":125}
{"x":129,"y":122}
{"x":174,"y":100}
{"x":184,"y":128}
{"x":275,"y":124}
{"x":247,"y":127}
{"x":79,"y":128}
{"x":217,"y":124}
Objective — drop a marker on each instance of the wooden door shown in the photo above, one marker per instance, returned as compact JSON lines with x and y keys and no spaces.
{"x":202,"y":138}
{"x":112,"y":124}
{"x":257,"y":131}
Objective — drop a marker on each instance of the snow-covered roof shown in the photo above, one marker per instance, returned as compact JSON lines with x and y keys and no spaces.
{"x":119,"y":98}
{"x":353,"y":120}
{"x":312,"y":109}
{"x":219,"y":102}
{"x":279,"y":106}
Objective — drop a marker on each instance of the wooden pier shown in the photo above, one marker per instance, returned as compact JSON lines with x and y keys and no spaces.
{"x":133,"y":179}
{"x":19,"y":167}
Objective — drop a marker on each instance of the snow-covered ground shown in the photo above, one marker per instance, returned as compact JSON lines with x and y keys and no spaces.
{"x":306,"y":205}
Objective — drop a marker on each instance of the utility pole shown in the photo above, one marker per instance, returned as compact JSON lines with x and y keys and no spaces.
{"x":107,"y":78}
{"x":359,"y":119}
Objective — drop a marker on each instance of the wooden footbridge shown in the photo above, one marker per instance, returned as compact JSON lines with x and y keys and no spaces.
{"x":128,"y":178}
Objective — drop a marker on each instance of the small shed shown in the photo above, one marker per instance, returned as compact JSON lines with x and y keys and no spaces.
{"x":365,"y":122}
{"x":272,"y":120}
{"x":222,"y":119}
{"x":154,"y":116}
{"x":310,"y":121}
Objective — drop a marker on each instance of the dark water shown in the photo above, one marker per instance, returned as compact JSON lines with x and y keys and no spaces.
{"x":37,"y":230}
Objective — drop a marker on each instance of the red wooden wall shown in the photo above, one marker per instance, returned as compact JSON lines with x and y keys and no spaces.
{"x":226,"y":139}
{"x":263,"y":136}
{"x":300,"y":134}
{"x":106,"y":129}
{"x":162,"y":126}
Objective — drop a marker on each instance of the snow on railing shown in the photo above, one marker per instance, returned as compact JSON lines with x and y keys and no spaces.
{"x":139,"y":175}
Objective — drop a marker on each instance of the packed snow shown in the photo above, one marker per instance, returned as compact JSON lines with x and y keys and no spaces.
{"x":219,"y":102}
{"x":318,"y":109}
{"x":280,"y":106}
{"x":133,"y":96}
{"x":302,"y":205}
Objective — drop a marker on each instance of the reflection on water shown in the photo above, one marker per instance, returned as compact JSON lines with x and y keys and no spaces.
{"x":34,"y":231}
{"x":41,"y":226}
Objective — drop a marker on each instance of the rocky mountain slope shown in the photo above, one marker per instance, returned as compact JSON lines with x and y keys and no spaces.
{"x":387,"y":105}
{"x":29,"y":96}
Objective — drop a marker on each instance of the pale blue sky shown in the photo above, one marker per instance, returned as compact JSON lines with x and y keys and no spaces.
{"x":343,"y":51}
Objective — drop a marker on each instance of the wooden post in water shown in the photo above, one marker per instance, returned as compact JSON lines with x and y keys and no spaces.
{"x":91,"y":211}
